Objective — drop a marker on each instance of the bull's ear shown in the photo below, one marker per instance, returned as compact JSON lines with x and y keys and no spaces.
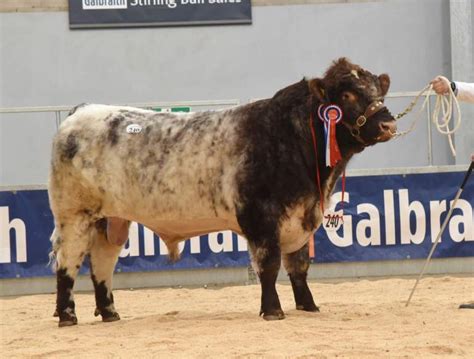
{"x":316,"y":87}
{"x":384,"y":83}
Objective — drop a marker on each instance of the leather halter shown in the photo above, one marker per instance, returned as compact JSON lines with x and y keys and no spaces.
{"x":371,"y":110}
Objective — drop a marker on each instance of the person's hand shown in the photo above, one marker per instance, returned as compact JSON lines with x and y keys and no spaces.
{"x":441,"y":85}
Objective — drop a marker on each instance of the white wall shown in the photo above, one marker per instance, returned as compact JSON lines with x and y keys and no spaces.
{"x":45,"y":63}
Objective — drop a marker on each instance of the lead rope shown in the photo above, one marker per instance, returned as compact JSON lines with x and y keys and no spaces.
{"x":443,"y":107}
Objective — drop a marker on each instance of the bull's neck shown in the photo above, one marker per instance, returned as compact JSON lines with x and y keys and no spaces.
{"x":328,"y":175}
{"x":291,"y":110}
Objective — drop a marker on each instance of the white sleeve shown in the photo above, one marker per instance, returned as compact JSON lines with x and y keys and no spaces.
{"x":465,"y":91}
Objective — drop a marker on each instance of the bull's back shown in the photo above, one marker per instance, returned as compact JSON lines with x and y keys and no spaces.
{"x":169,"y":165}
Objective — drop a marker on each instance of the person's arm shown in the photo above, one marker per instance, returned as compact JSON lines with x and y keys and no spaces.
{"x":465,"y":91}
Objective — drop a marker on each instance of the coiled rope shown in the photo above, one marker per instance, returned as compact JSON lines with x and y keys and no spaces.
{"x":442,"y":114}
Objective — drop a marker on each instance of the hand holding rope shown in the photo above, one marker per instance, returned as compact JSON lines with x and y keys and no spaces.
{"x":441,"y":116}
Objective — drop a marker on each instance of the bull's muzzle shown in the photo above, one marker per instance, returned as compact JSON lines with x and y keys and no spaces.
{"x":387,"y":129}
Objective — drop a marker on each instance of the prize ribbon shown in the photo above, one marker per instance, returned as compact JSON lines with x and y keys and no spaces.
{"x":331,"y":115}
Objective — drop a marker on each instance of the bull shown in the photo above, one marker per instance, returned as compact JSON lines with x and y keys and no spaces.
{"x":250,"y":169}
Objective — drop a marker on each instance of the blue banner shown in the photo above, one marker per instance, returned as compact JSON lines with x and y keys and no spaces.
{"x":393,"y":217}
{"x":386,"y":217}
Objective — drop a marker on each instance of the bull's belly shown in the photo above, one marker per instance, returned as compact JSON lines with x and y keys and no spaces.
{"x":174,"y":223}
{"x":186,"y":220}
{"x":292,"y":237}
{"x":177,"y":230}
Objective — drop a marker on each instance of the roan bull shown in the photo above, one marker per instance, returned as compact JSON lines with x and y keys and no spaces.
{"x":250,"y":169}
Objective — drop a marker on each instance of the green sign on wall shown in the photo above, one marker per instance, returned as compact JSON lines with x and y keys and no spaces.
{"x":172,"y":109}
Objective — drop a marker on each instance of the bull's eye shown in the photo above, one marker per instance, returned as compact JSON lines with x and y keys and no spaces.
{"x":348,"y":96}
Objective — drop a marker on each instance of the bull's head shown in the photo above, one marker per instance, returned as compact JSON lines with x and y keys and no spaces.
{"x":360,"y":94}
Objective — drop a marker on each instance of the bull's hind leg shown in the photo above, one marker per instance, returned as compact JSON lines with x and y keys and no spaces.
{"x":104,"y":256}
{"x":71,"y":240}
{"x":297,"y":265}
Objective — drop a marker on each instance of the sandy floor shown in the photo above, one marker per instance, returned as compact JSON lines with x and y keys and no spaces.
{"x":357,"y":319}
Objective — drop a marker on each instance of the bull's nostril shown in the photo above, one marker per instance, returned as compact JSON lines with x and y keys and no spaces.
{"x":388,"y":127}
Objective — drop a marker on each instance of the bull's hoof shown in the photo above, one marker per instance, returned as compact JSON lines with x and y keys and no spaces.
{"x":311,"y":307}
{"x":107,"y":316}
{"x":67,"y":321}
{"x":273,"y":315}
{"x":113,"y":317}
{"x":56,"y":314}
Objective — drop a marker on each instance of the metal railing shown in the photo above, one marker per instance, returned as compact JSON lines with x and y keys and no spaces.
{"x":58,"y":110}
{"x":61,"y":112}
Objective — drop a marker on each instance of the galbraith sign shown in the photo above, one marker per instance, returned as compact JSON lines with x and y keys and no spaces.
{"x":386,"y":217}
{"x":136,"y":13}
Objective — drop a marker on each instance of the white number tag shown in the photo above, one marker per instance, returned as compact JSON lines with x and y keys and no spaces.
{"x":134,"y":128}
{"x":332,"y":221}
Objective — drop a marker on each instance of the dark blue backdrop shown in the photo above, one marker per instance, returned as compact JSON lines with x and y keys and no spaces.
{"x":32,"y":208}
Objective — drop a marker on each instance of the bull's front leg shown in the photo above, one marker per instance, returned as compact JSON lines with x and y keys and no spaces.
{"x":297,"y":265}
{"x":266,"y":260}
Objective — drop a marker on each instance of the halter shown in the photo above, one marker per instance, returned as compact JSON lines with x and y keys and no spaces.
{"x":371,"y":110}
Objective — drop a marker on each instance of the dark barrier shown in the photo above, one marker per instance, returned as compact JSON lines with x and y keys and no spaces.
{"x":134,"y":13}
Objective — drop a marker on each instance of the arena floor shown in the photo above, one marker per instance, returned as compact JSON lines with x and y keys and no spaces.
{"x":364,"y":318}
